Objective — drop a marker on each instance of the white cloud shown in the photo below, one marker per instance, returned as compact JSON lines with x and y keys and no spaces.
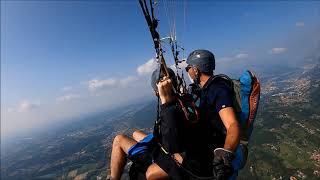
{"x":111,"y":82}
{"x":10,"y":110}
{"x":241,"y":56}
{"x":173,"y":67}
{"x":127,"y":80}
{"x":235,"y":57}
{"x":147,"y":68}
{"x":181,"y":65}
{"x":278,"y":50}
{"x":67,"y":97}
{"x":25,"y":105}
{"x":300,"y":24}
{"x":97,"y":84}
{"x":67,"y":88}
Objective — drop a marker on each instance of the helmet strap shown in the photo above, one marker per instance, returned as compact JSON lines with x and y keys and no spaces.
{"x":197,"y":77}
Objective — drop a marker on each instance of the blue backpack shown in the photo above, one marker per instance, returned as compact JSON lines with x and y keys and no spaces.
{"x":246,"y":100}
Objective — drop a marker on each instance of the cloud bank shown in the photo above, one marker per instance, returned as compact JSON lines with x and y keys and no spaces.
{"x":67,"y":97}
{"x":147,"y":67}
{"x":95,"y":84}
{"x":25,"y":106}
{"x":278,"y":50}
{"x":235,"y":57}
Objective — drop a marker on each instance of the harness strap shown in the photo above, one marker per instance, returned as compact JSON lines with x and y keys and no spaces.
{"x":186,"y":113}
{"x":183,"y":168}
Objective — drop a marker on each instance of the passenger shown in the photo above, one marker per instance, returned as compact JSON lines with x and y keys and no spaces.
{"x":144,"y":150}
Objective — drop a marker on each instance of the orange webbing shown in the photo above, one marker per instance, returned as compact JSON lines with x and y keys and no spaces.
{"x":253,"y":100}
{"x":186,"y":112}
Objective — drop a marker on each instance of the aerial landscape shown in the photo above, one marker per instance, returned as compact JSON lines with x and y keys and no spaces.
{"x":285,"y":141}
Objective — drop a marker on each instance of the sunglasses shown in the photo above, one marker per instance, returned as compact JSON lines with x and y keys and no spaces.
{"x":188,"y":67}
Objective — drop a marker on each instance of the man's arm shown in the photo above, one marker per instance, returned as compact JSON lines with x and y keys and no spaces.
{"x":171,"y":125}
{"x":230,"y":122}
{"x":223,"y":156}
{"x":224,"y":106}
{"x":171,"y":134}
{"x":171,"y":117}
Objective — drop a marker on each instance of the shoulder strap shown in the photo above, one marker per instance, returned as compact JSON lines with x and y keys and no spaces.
{"x":221,"y":77}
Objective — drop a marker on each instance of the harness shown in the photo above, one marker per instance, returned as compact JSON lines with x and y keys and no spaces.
{"x":191,"y":117}
{"x":190,"y":111}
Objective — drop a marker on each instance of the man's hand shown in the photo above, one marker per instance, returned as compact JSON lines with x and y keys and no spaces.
{"x":222,"y":163}
{"x":165,"y":90}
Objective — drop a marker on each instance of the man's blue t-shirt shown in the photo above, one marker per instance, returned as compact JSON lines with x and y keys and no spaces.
{"x":209,"y":132}
{"x":215,"y":95}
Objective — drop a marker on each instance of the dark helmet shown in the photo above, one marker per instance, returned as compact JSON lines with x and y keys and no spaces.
{"x":155,"y":78}
{"x":202,"y":59}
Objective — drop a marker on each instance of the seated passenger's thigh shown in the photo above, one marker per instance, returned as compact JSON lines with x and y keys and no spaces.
{"x":124,"y":142}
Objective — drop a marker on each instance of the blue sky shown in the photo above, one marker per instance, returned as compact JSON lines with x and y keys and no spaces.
{"x":63,"y":59}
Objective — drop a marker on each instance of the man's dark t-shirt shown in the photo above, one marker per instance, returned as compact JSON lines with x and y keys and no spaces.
{"x":216,"y":95}
{"x":209,"y":133}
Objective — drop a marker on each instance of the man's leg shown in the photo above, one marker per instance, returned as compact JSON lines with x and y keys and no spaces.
{"x":138,"y":135}
{"x":154,"y":172}
{"x":120,"y":147}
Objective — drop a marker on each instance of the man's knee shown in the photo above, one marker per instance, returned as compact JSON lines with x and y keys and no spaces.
{"x":118,"y":139}
{"x":124,"y":142}
{"x":136,"y":134}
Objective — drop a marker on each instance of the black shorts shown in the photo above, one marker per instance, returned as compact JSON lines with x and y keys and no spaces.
{"x":168,"y":164}
{"x":140,"y":164}
{"x":142,"y":161}
{"x":198,"y":164}
{"x":192,"y":165}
